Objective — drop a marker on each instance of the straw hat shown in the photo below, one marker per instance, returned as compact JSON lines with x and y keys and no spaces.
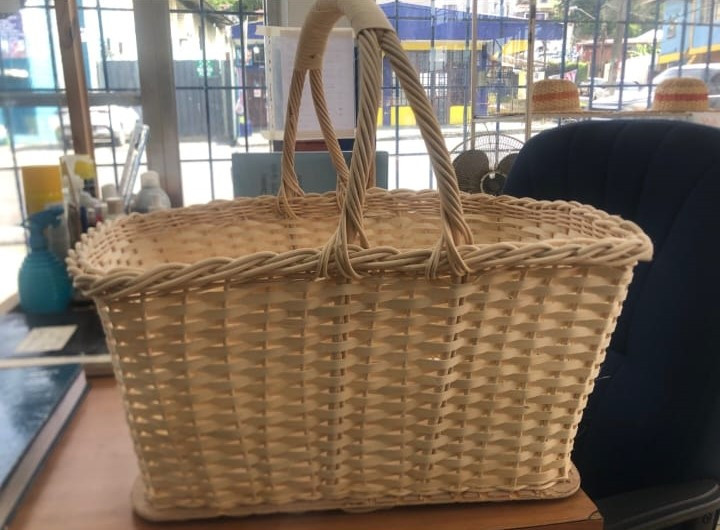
{"x":681,"y":94}
{"x":555,"y":95}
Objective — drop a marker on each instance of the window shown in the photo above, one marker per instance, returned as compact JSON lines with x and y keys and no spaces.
{"x":220,"y":91}
{"x":671,"y":31}
{"x":440,"y":88}
{"x":34,"y":125}
{"x":709,"y":11}
{"x":714,"y":85}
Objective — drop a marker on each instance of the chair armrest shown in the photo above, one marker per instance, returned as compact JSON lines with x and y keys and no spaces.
{"x":662,"y":507}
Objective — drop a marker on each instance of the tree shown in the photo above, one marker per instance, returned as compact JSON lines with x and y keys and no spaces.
{"x":607,"y":20}
{"x":234,"y":5}
{"x":583,"y":14}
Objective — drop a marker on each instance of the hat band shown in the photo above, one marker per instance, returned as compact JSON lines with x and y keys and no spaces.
{"x":554,"y":95}
{"x":681,"y":97}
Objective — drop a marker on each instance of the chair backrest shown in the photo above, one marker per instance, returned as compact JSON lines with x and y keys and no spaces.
{"x":654,"y":416}
{"x":256,"y":174}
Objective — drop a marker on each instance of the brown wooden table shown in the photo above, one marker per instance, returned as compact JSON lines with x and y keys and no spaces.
{"x":87,"y":480}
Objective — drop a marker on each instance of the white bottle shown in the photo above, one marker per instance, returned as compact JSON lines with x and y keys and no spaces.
{"x":108,"y":191}
{"x":151,"y":197}
{"x":115,"y":208}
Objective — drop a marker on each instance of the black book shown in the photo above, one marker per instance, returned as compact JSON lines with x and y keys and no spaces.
{"x":35,"y":405}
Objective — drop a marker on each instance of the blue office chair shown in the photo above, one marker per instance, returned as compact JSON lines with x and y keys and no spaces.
{"x":648,"y":447}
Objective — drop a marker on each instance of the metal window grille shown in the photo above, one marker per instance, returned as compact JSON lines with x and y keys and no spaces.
{"x":35,"y":121}
{"x":219,"y":64}
{"x":221,"y":91}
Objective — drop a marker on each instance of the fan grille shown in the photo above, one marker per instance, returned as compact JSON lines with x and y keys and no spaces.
{"x":484,"y":168}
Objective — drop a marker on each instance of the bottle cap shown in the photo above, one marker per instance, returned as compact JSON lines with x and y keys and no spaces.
{"x":115,"y":206}
{"x":43,"y":187}
{"x":109,"y":190}
{"x":150,"y":179}
{"x":85,"y":168}
{"x":102,"y":212}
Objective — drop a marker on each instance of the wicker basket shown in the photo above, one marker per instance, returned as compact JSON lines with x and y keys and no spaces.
{"x":358,"y":349}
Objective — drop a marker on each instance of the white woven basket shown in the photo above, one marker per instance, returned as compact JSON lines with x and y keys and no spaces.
{"x":361,"y":348}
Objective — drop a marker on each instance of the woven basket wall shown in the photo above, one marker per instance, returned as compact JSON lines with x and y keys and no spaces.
{"x":358,"y":349}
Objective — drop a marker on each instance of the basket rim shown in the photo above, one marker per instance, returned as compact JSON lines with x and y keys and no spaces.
{"x":629,"y":246}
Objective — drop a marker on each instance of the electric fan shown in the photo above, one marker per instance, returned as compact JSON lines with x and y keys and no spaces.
{"x":485,"y":168}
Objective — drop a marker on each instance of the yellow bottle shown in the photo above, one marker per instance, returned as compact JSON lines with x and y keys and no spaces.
{"x":42,"y":186}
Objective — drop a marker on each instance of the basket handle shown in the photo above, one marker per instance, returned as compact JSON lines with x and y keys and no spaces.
{"x":311,"y":48}
{"x":375,"y":34}
{"x":289,"y":184}
{"x":309,"y":58}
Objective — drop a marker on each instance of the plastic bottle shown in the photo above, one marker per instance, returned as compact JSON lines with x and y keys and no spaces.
{"x":42,"y":186}
{"x":72,"y":207}
{"x":43,"y":282}
{"x":84,"y":167}
{"x":108,"y":191}
{"x":115,"y":208}
{"x":109,"y":194}
{"x":151,"y":196}
{"x":101,"y":213}
{"x":88,"y":206}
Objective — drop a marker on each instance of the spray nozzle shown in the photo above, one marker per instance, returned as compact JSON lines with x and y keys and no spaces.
{"x":37,"y":223}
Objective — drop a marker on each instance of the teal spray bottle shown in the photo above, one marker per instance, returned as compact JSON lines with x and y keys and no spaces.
{"x":43,"y":282}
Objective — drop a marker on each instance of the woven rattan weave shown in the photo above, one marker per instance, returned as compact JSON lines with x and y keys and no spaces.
{"x":359,"y":349}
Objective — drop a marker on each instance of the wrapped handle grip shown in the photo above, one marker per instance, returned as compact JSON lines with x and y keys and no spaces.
{"x":323,"y":16}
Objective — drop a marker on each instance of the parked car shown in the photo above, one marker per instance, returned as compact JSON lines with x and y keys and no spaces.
{"x":708,"y":72}
{"x":634,"y":97}
{"x":111,"y":124}
{"x":597,"y":84}
{"x":640,"y":97}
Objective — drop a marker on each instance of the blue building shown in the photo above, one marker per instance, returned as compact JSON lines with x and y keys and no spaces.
{"x":691,"y":32}
{"x":438,"y":44}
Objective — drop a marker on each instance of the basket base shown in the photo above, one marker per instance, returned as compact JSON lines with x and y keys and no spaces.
{"x":144,"y":509}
